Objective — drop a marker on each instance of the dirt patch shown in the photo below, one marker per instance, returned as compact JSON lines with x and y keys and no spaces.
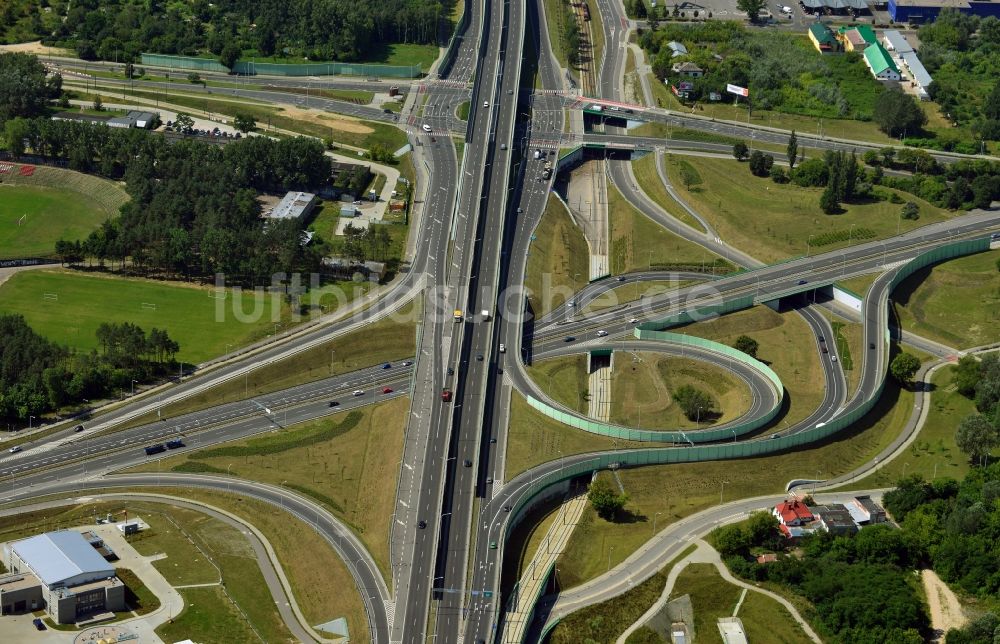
{"x":35,"y":47}
{"x":943,"y":606}
{"x":341,"y":123}
{"x":6,"y":272}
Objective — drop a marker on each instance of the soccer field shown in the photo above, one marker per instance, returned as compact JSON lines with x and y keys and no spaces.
{"x":34,"y":218}
{"x":68,"y":307}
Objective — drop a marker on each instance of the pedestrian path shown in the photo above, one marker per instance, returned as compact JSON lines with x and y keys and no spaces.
{"x":599,"y":405}
{"x":705,"y":553}
{"x":536,"y":573}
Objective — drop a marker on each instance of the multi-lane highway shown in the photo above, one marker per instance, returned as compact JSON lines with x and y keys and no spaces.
{"x":477,"y":218}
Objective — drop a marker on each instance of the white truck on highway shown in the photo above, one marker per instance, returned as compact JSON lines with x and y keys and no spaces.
{"x":486,"y":315}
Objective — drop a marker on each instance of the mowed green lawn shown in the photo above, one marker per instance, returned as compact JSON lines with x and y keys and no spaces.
{"x":68,"y":307}
{"x":956,"y":302}
{"x":50,"y":214}
{"x":774,"y":221}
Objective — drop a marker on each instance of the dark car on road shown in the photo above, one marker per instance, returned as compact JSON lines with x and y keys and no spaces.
{"x":39,"y":624}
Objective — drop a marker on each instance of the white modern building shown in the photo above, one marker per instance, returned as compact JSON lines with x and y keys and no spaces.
{"x":62,"y":572}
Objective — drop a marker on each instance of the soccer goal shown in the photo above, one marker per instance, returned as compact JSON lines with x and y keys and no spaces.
{"x":148,"y":306}
{"x":217,"y":293}
{"x":50,"y":297}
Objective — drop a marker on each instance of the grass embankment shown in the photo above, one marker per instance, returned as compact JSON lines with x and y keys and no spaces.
{"x":639,"y":244}
{"x":558,"y":259}
{"x":604,"y":622}
{"x":849,"y":337}
{"x":676,"y":491}
{"x":635,"y":291}
{"x":300,"y":120}
{"x":67,"y":307}
{"x":52,"y":204}
{"x":533,"y":439}
{"x":564,"y":379}
{"x":346,"y":462}
{"x":524,"y":539}
{"x":556,"y":14}
{"x":642,"y":387}
{"x":462,"y":111}
{"x":389,"y":339}
{"x":787,"y":345}
{"x":860,"y":284}
{"x":933,"y":452}
{"x":785,"y":214}
{"x":956,"y":302}
{"x":648,"y":177}
{"x":199,"y":550}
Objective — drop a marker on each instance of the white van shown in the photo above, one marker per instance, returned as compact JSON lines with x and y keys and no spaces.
{"x":503,"y":348}
{"x":538,"y":154}
{"x":427,"y":128}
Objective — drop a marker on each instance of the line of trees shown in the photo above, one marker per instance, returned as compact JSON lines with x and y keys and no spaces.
{"x":25,"y":90}
{"x":320,"y":30}
{"x":193,"y":210}
{"x":39,"y":376}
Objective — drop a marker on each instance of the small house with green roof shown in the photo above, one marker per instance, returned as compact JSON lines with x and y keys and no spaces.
{"x":822,"y":38}
{"x":856,"y":38}
{"x":880,"y":63}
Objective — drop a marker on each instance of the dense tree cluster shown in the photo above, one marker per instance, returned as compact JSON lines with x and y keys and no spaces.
{"x":193,"y":208}
{"x":696,"y":404}
{"x":858,"y":584}
{"x":37,"y":376}
{"x":898,"y":114}
{"x":24,"y":87}
{"x":979,"y":380}
{"x":316,"y":29}
{"x":953,"y":527}
{"x":960,"y":52}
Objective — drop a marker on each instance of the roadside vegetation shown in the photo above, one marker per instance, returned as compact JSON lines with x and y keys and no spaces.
{"x":638,"y":244}
{"x":393,"y":32}
{"x":956,"y":302}
{"x":697,"y":486}
{"x":389,"y":339}
{"x":346,"y":462}
{"x":788,"y":217}
{"x":558,"y":259}
{"x":785,"y":343}
{"x":564,"y":379}
{"x":645,"y":387}
{"x":605,"y":621}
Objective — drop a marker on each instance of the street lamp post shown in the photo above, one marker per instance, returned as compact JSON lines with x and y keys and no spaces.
{"x":229,"y":487}
{"x":722,"y":487}
{"x":132,"y":391}
{"x":654,"y":521}
{"x":609,"y":557}
{"x":30,"y":418}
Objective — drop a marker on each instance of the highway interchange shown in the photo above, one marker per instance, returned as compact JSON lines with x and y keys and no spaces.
{"x":475,"y":228}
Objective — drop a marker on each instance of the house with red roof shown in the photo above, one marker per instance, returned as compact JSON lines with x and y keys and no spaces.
{"x":793,"y":513}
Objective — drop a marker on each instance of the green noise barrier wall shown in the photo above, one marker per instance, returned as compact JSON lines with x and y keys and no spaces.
{"x":743,"y":449}
{"x":248,"y":67}
{"x":693,"y":436}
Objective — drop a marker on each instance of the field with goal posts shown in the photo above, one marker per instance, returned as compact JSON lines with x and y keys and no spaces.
{"x":67,"y":307}
{"x":41,"y":205}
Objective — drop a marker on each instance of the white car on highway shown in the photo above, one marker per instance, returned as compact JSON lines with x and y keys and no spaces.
{"x":602,"y":333}
{"x":427,"y":128}
{"x":358,"y":392}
